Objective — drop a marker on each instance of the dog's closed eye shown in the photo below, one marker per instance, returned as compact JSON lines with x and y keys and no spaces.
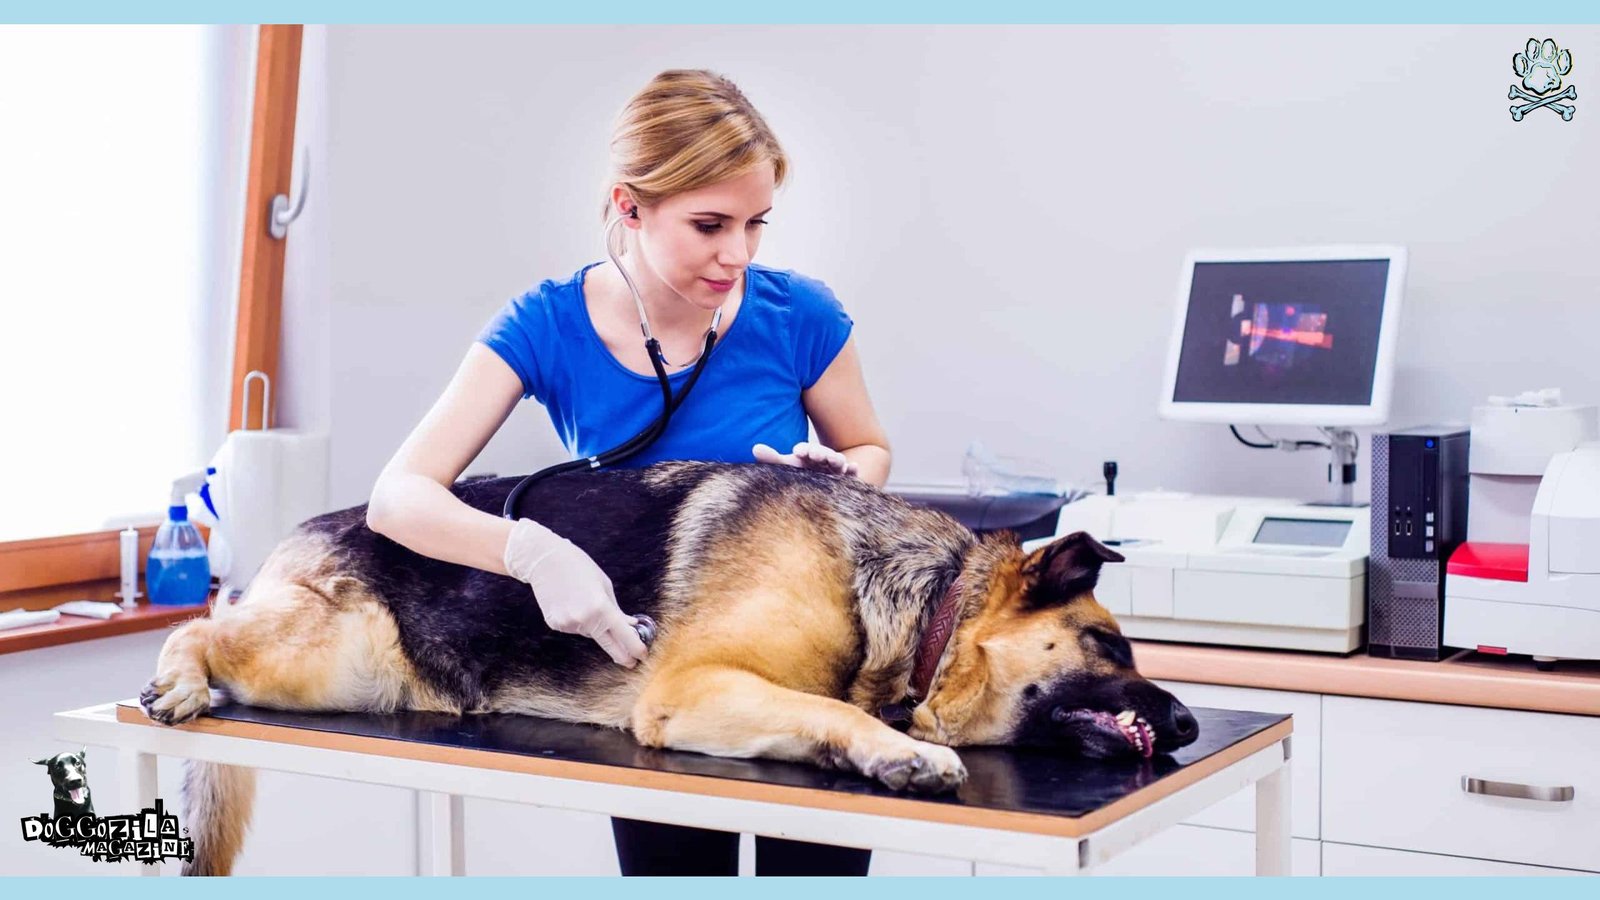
{"x":1111,"y":645}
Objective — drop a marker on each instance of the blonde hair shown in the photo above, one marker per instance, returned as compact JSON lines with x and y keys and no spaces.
{"x":686,"y":129}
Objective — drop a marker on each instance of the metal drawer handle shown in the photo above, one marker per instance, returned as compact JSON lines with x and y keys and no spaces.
{"x":1511,"y":789}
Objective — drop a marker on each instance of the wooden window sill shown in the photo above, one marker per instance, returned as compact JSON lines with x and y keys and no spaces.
{"x":72,"y":629}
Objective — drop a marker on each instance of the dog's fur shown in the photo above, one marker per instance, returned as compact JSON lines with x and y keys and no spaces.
{"x":789,"y":606}
{"x":69,"y":773}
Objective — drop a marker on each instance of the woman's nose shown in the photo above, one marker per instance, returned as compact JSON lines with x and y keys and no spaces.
{"x":735,"y":252}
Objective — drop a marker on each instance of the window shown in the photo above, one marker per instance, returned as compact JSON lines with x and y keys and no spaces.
{"x":123,"y":177}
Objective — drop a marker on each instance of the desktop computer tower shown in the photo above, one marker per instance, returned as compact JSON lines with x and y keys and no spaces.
{"x":1419,"y":517}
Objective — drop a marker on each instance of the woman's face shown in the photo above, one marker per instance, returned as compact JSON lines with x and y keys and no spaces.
{"x":698,"y":242}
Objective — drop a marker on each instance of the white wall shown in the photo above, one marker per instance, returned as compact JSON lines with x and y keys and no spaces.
{"x":1002,"y":210}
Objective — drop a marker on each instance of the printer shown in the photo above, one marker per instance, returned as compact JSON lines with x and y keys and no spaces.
{"x":1249,"y":571}
{"x":1527,"y":580}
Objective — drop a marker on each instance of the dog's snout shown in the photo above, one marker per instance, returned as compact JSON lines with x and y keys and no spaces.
{"x":1184,"y":727}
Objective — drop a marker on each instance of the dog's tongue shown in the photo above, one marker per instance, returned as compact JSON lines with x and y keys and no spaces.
{"x":77,"y":795}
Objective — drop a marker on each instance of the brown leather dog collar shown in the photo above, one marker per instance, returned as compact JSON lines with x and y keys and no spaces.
{"x":929,"y":651}
{"x":934,"y":641}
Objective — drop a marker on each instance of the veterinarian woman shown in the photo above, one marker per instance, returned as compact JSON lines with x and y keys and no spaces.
{"x":694,"y":167}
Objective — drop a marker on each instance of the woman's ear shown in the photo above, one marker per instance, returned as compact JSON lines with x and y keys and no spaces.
{"x":624,"y":205}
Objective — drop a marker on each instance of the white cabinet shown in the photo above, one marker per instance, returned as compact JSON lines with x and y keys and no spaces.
{"x":1193,"y":850}
{"x":889,"y":862}
{"x":1344,"y":859}
{"x":1190,"y":850}
{"x":1239,"y":811}
{"x":1392,"y":777}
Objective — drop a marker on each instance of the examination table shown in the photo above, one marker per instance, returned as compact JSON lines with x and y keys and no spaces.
{"x":1018,"y":807}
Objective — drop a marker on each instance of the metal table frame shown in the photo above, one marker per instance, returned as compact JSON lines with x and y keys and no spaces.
{"x":1056,"y":844}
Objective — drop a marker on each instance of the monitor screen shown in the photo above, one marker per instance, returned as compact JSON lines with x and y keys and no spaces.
{"x":1282,"y":332}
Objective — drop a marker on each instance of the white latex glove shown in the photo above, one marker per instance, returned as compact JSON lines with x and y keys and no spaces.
{"x":574,"y":595}
{"x":807,"y":455}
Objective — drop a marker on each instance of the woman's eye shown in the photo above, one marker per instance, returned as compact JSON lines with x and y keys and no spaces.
{"x":714,"y":227}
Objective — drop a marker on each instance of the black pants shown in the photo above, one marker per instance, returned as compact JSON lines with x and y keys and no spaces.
{"x":650,"y":848}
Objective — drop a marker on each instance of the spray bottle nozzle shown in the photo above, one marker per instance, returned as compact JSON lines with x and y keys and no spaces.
{"x":178,"y":506}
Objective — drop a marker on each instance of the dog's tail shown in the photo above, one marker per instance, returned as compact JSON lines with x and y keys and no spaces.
{"x":217,"y":801}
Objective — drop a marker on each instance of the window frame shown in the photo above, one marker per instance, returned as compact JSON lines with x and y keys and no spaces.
{"x":71,"y":559}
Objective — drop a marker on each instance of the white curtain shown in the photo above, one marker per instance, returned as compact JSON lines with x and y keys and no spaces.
{"x":122,"y":184}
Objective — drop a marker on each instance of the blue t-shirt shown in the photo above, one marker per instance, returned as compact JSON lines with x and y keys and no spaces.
{"x":788,"y":330}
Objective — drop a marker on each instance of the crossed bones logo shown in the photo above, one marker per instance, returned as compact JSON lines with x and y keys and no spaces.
{"x":1541,"y":67}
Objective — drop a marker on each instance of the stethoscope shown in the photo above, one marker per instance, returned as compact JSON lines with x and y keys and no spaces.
{"x":669,"y":404}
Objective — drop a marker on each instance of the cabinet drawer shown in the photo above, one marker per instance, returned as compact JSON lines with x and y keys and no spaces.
{"x":1343,"y":859}
{"x":1239,"y":811}
{"x":1392,"y":776}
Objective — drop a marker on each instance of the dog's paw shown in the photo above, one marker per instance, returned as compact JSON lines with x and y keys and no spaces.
{"x":921,"y":766}
{"x":173,"y":702}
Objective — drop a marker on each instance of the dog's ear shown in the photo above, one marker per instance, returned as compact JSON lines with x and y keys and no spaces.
{"x":42,"y":762}
{"x":1065,"y":569}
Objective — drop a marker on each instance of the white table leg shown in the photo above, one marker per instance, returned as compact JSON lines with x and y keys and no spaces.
{"x":1272,"y":821}
{"x":442,"y":850}
{"x":137,"y":773}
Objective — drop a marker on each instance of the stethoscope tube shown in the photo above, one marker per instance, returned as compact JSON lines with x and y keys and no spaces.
{"x":669,"y":402}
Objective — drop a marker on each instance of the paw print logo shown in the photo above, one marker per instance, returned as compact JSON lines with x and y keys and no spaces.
{"x":1541,"y":67}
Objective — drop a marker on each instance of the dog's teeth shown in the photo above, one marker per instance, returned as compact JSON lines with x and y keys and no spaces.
{"x":1126,"y":717}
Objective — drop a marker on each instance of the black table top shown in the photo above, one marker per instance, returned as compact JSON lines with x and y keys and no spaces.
{"x":999,"y":778}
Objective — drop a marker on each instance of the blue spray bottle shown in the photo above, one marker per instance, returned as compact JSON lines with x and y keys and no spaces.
{"x":178,"y":572}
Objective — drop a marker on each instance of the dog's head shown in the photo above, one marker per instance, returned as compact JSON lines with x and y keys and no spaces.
{"x":1044,"y":664}
{"x":69,"y":772}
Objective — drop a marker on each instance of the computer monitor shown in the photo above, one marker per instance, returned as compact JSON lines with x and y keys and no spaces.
{"x":1285,"y":336}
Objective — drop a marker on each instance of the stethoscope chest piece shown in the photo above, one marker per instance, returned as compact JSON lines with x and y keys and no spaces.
{"x":646,"y":628}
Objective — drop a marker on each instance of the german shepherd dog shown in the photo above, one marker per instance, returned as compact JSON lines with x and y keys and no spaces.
{"x":69,"y":779}
{"x":800,"y":616}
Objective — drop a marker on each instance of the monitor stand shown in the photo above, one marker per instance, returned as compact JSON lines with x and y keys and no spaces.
{"x":1342,"y":444}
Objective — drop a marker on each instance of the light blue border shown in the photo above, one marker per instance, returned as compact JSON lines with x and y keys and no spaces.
{"x":798,"y":888}
{"x":1385,"y":12}
{"x":843,"y":12}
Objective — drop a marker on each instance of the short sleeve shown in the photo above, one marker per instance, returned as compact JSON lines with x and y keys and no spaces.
{"x":819,"y":326}
{"x":522,"y":333}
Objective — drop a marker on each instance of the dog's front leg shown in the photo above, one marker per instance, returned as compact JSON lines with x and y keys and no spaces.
{"x":732,"y":712}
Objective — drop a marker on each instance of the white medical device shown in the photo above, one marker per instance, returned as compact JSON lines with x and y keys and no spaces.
{"x":1528,"y":579}
{"x":1288,"y":336}
{"x":1249,"y":571}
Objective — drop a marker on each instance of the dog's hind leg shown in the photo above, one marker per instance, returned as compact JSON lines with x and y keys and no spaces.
{"x":725,"y":711}
{"x":180,"y":689}
{"x":289,"y":646}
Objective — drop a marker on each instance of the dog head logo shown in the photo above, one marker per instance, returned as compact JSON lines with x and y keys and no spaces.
{"x":1046,"y":665}
{"x":69,"y":775}
{"x":1541,"y":68}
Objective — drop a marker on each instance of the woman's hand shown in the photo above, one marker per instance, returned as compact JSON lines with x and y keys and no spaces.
{"x":574,"y":595}
{"x":807,"y":455}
